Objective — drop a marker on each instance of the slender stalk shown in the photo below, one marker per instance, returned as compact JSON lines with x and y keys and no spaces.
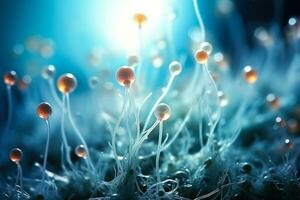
{"x":63,"y":134}
{"x":21,"y":176}
{"x":164,"y":93}
{"x":140,"y":47}
{"x":164,"y":147}
{"x":127,"y":116}
{"x":114,"y":134}
{"x":199,"y":18}
{"x":10,"y":108}
{"x":214,"y":124}
{"x":46,"y":153}
{"x":200,"y":124}
{"x":79,"y":135}
{"x":139,"y":111}
{"x":158,"y":151}
{"x":53,"y":92}
{"x":17,"y":177}
{"x":143,"y":137}
{"x":171,"y":39}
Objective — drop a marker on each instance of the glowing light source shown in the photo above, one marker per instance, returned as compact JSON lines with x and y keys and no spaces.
{"x":122,"y":31}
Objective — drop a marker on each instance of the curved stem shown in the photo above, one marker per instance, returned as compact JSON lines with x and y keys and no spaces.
{"x":114,"y":134}
{"x":139,"y":111}
{"x":79,"y":135}
{"x":127,"y":110}
{"x":63,"y":134}
{"x":9,"y":116}
{"x":165,"y":92}
{"x":218,"y":104}
{"x":21,"y":176}
{"x":170,"y":39}
{"x":158,"y":151}
{"x":200,"y":124}
{"x":164,"y":147}
{"x":199,"y":18}
{"x":144,"y":136}
{"x":46,"y":153}
{"x":17,"y":177}
{"x":53,"y":92}
{"x":139,"y":67}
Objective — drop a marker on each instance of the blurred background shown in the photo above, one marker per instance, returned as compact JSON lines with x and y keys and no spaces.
{"x":96,"y":37}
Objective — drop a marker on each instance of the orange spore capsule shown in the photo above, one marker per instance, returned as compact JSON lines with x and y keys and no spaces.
{"x":10,"y":78}
{"x":140,"y":19}
{"x":66,"y":83}
{"x":44,"y":110}
{"x":80,"y":151}
{"x":250,"y":75}
{"x":201,"y":56}
{"x":16,"y":155}
{"x":125,"y":76}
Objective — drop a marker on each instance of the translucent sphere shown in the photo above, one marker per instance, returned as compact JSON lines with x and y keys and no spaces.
{"x":273,"y":101}
{"x":66,"y":83}
{"x":24,"y":82}
{"x":125,"y":76}
{"x":10,"y":78}
{"x":175,"y":68}
{"x":80,"y":151}
{"x":48,"y":72}
{"x":223,"y":99}
{"x":280,"y":122}
{"x":162,"y":112}
{"x":207,"y":47}
{"x":133,"y":60}
{"x":288,"y":143}
{"x":16,"y":155}
{"x":157,"y":61}
{"x":44,"y":110}
{"x":93,"y":82}
{"x":250,"y":75}
{"x":140,"y":18}
{"x":201,"y":56}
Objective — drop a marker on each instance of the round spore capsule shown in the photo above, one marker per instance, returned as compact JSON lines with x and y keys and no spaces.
{"x":280,"y":122}
{"x":273,"y":101}
{"x":223,"y":99}
{"x":16,"y":155}
{"x":175,"y":68}
{"x":44,"y":110}
{"x":250,"y":75}
{"x":48,"y":72}
{"x":140,"y":18}
{"x":125,"y":76}
{"x":207,"y":47}
{"x":162,"y":112}
{"x":66,"y":83}
{"x":201,"y":56}
{"x":24,"y":82}
{"x":10,"y":78}
{"x":80,"y":151}
{"x":93,"y":82}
